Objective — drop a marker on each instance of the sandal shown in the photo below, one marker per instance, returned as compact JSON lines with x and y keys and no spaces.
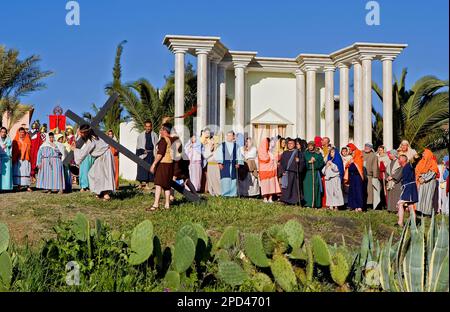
{"x":166,"y":207}
{"x":152,"y":208}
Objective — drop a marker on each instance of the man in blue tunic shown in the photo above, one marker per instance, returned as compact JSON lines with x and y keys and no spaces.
{"x":409,"y":195}
{"x":229,"y":159}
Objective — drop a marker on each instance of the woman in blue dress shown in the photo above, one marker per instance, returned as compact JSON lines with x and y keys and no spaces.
{"x":6,"y":180}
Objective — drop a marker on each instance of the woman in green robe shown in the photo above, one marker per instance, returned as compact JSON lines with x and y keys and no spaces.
{"x":311,"y":183}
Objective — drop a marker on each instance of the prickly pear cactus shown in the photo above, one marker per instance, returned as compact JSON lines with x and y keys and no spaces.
{"x":172,"y":280}
{"x":5,"y":271}
{"x":268,"y":243}
{"x":222,"y":255}
{"x":255,"y":251}
{"x":80,"y":227}
{"x":263,"y":283}
{"x":294,"y":231}
{"x":283,"y":272}
{"x":4,"y":237}
{"x":231,"y":273}
{"x":188,"y":229}
{"x":309,"y":263}
{"x":339,"y":269}
{"x":301,"y":275}
{"x":201,"y":233}
{"x":141,"y":243}
{"x":229,"y":237}
{"x":184,"y":254}
{"x":321,"y":252}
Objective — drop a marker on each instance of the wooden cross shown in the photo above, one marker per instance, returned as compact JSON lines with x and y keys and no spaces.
{"x":120,"y":148}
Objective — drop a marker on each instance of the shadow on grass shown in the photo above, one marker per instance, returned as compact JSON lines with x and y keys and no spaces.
{"x":127,"y":192}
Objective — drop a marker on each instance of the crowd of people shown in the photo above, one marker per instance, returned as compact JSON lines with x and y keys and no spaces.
{"x":313,"y":174}
{"x":39,"y":157}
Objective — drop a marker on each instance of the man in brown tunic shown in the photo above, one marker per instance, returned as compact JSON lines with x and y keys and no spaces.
{"x":372,"y":171}
{"x":162,"y":167}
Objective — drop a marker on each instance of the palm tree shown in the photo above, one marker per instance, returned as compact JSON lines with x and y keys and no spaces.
{"x":114,"y":116}
{"x":420,"y":115}
{"x":18,"y":78}
{"x":144,"y":102}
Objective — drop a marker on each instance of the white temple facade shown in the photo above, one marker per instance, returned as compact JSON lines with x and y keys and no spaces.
{"x":266,"y":96}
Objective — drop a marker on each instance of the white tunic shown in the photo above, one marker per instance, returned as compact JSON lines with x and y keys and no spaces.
{"x":101,"y":174}
{"x":333,"y":186}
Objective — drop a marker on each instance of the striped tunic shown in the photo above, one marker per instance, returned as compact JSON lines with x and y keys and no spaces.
{"x":51,"y":171}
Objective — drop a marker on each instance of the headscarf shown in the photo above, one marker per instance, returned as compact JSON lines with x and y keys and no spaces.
{"x":337,"y":160}
{"x":426,"y":164}
{"x":392,"y":152}
{"x":267,"y":167}
{"x":410,"y":153}
{"x":358,"y":158}
{"x":318,"y":141}
{"x":21,"y":149}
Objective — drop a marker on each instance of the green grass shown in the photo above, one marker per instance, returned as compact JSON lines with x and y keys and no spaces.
{"x":31,"y":216}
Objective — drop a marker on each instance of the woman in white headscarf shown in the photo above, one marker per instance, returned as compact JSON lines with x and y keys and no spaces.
{"x":194,"y":154}
{"x":50,"y":176}
{"x":406,"y":149}
{"x":64,"y":148}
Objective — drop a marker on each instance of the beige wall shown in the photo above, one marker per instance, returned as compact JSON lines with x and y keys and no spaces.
{"x":23,"y":122}
{"x":273,"y":90}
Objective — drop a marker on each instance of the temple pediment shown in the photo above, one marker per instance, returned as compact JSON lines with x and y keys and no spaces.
{"x":270,"y":117}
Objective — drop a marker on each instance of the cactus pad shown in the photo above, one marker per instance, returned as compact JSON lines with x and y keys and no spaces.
{"x":229,"y":237}
{"x":339,"y":269}
{"x":321,"y":252}
{"x":201,"y":233}
{"x":268,"y":243}
{"x":222,"y":255}
{"x":141,"y":243}
{"x":172,"y":280}
{"x":263,"y":283}
{"x":183,"y":254}
{"x":294,"y":231}
{"x":5,"y":270}
{"x":231,"y":273}
{"x":255,"y":251}
{"x":284,"y":274}
{"x":188,"y":229}
{"x":4,"y":237}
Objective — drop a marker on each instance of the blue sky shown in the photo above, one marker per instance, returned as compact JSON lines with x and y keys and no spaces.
{"x":82,"y":56}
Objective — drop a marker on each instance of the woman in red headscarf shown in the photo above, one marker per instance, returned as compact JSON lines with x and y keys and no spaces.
{"x":267,"y":164}
{"x":356,"y":179}
{"x":21,"y":159}
{"x":427,"y":173}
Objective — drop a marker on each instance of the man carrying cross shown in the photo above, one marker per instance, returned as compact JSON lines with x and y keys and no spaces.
{"x":101,"y":174}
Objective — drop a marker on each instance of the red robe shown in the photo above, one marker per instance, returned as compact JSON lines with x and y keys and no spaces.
{"x":36,"y":142}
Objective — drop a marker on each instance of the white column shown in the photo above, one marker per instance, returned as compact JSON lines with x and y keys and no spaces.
{"x":387,"y":103}
{"x":213,"y":96}
{"x":310,"y":102}
{"x":239,"y":94}
{"x":343,"y":103}
{"x":301,"y":103}
{"x":222,"y":98}
{"x":357,"y":105}
{"x":202,"y":89}
{"x":367,"y":97}
{"x":329,"y":103}
{"x":179,"y":91}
